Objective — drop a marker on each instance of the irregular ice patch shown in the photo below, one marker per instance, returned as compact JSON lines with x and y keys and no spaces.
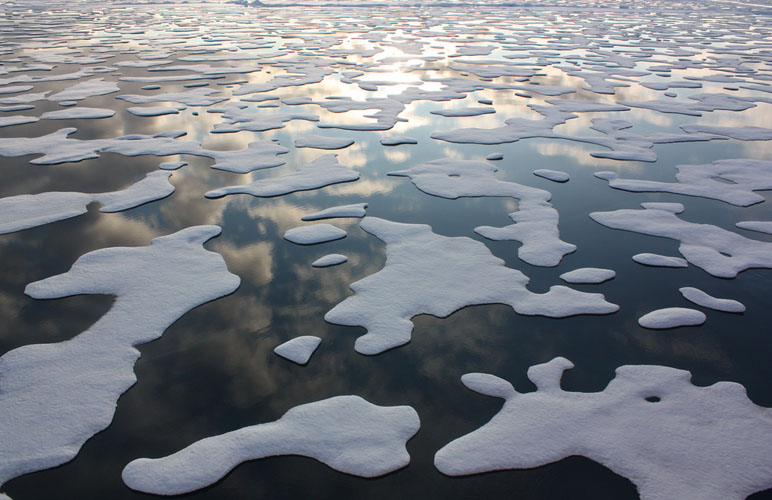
{"x":426,"y":273}
{"x":747,"y":133}
{"x":459,"y":112}
{"x":536,"y":221}
{"x":298,"y":350}
{"x":653,"y":259}
{"x":195,"y":97}
{"x":313,"y":234}
{"x":321,"y":172}
{"x":341,"y":211}
{"x":553,"y":175}
{"x":8,"y":121}
{"x":745,"y":176}
{"x":550,"y":90}
{"x":77,"y":113}
{"x":588,"y":275}
{"x":32,"y":210}
{"x":670,"y":438}
{"x":323,"y":142}
{"x":672,"y":317}
{"x":56,"y":396}
{"x":329,"y":260}
{"x":152,"y":110}
{"x":756,"y":225}
{"x":85,"y":89}
{"x":347,"y":433}
{"x":705,"y":102}
{"x":396,"y":140}
{"x":256,"y":156}
{"x":719,"y":252}
{"x":703,"y":299}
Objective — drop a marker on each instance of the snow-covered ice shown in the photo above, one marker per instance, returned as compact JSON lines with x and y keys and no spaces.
{"x":671,"y":317}
{"x":298,"y":350}
{"x":703,"y":299}
{"x":314,"y":234}
{"x":329,"y":260}
{"x":588,"y":275}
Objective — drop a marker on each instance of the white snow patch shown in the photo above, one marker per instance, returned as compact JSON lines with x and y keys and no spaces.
{"x":329,"y":260}
{"x":703,"y":299}
{"x":653,"y":259}
{"x":588,"y":275}
{"x":341,"y":211}
{"x":313,"y":234}
{"x":298,"y":350}
{"x":672,"y":317}
{"x":553,"y":175}
{"x":323,"y":142}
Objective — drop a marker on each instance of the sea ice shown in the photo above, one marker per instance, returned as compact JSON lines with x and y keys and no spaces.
{"x":85,"y":89}
{"x":396,"y":140}
{"x":653,"y":259}
{"x":746,"y":133}
{"x":321,"y":172}
{"x":536,"y":221}
{"x":77,"y":113}
{"x":756,"y":225}
{"x":719,"y":252}
{"x":322,"y":142}
{"x":703,"y":299}
{"x":588,"y":275}
{"x":672,"y":439}
{"x":553,"y":175}
{"x":347,"y":433}
{"x":313,"y":234}
{"x":298,"y":350}
{"x":56,"y":396}
{"x":7,"y":121}
{"x":329,"y":260}
{"x":426,"y":273}
{"x":195,"y":97}
{"x":152,"y":110}
{"x":353,"y":210}
{"x":459,"y":112}
{"x":672,"y":317}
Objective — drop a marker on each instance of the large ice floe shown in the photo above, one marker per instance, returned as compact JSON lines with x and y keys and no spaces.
{"x":536,"y":221}
{"x":56,"y":396}
{"x":30,"y":210}
{"x":719,"y":252}
{"x":426,"y":273}
{"x":347,"y":433}
{"x":650,"y":424}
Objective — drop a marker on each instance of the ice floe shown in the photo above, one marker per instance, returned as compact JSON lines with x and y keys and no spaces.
{"x":321,"y":172}
{"x":426,"y":273}
{"x":329,"y":260}
{"x":588,"y":275}
{"x":314,"y":234}
{"x":650,"y":424}
{"x":756,"y":225}
{"x":56,"y":396}
{"x":298,"y":350}
{"x":347,"y":433}
{"x":77,"y":113}
{"x":85,"y":89}
{"x":396,"y":140}
{"x":323,"y":142}
{"x":703,"y":299}
{"x":656,"y":260}
{"x":553,"y":175}
{"x":459,"y":112}
{"x":719,"y":252}
{"x":354,"y":210}
{"x":672,"y":317}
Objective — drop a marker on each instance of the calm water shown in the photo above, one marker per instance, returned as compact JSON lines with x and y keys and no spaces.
{"x":214,"y":370}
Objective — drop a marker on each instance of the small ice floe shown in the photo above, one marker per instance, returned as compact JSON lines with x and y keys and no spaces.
{"x":650,"y":424}
{"x":31,"y":210}
{"x":321,"y":172}
{"x":341,"y":211}
{"x":314,"y":234}
{"x":195,"y":97}
{"x":56,"y":396}
{"x":256,"y":156}
{"x":347,"y":433}
{"x":85,"y":89}
{"x":719,"y":252}
{"x":553,"y":175}
{"x":329,"y":260}
{"x":747,"y":133}
{"x":708,"y":181}
{"x":495,"y":157}
{"x":8,"y":121}
{"x":298,"y":350}
{"x":550,"y":90}
{"x":656,"y":260}
{"x":702,"y":102}
{"x":459,"y":112}
{"x":703,"y":299}
{"x":396,"y":140}
{"x":760,"y":226}
{"x":588,"y":275}
{"x":323,"y":142}
{"x":77,"y":113}
{"x":172,"y":165}
{"x":672,"y":317}
{"x":152,"y":110}
{"x":438,"y":275}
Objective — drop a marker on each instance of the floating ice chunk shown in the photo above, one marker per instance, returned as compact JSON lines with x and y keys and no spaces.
{"x":172,"y":165}
{"x":195,"y":97}
{"x":323,"y":142}
{"x":77,"y":113}
{"x":83,"y":90}
{"x":652,"y":259}
{"x":238,"y":117}
{"x":332,"y":259}
{"x":152,"y":110}
{"x":672,"y":317}
{"x":553,"y":175}
{"x":458,"y":112}
{"x":550,"y":90}
{"x":739,"y":133}
{"x":745,"y":176}
{"x":313,"y":234}
{"x":495,"y":157}
{"x":56,"y":396}
{"x":703,"y":299}
{"x":536,"y":219}
{"x":25,"y":98}
{"x":32,"y":210}
{"x":396,"y":140}
{"x":321,"y":172}
{"x":650,"y":425}
{"x":756,"y":225}
{"x":426,"y":273}
{"x":256,"y":156}
{"x":17,"y":107}
{"x":588,"y":275}
{"x":719,"y":252}
{"x":347,"y":433}
{"x":353,"y":210}
{"x":15,"y":89}
{"x":299,"y":349}
{"x":7,"y":121}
